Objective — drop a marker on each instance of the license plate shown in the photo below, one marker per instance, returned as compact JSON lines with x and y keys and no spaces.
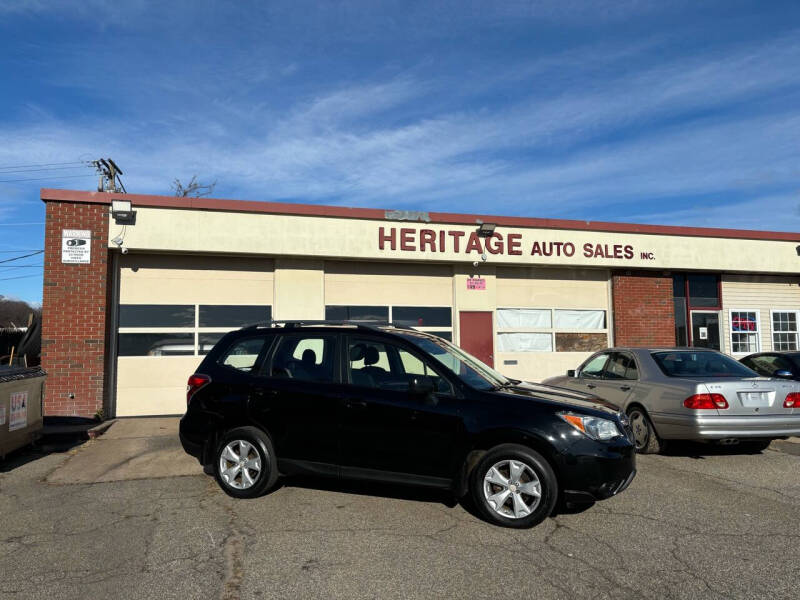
{"x":754,"y":398}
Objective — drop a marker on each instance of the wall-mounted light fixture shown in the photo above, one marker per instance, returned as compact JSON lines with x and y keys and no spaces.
{"x":123,"y":212}
{"x":797,"y":249}
{"x":486,"y":230}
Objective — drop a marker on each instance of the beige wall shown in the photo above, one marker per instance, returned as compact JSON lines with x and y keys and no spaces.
{"x":299,"y":290}
{"x":173,"y":230}
{"x":153,"y":385}
{"x":387,"y":284}
{"x":160,"y":279}
{"x":761,"y":293}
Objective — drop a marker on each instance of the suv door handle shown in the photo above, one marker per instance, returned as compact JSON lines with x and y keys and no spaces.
{"x":355,"y":404}
{"x":625,"y":388}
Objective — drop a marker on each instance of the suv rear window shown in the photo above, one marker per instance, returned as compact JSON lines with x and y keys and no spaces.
{"x":243,"y":353}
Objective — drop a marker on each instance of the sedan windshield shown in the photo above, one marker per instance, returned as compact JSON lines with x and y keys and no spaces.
{"x":685,"y":363}
{"x":468,"y":368}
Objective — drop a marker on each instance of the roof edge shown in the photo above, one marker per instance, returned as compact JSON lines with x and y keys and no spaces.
{"x":318,"y":210}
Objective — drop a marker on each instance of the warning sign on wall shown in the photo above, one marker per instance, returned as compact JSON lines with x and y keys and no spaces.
{"x":18,"y":411}
{"x":76,"y":246}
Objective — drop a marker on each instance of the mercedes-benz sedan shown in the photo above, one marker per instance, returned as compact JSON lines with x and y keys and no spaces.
{"x":689,"y":394}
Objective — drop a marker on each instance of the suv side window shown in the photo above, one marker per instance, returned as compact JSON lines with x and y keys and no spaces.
{"x":593,"y":368}
{"x":377,"y":364}
{"x":621,"y":366}
{"x":304,"y":357}
{"x":243,"y":353}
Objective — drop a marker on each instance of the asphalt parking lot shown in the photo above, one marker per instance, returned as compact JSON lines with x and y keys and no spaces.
{"x":701,"y":523}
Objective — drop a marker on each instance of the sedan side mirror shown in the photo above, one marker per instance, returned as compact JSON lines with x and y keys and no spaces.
{"x":571,"y":373}
{"x":783,"y":374}
{"x":420,"y":385}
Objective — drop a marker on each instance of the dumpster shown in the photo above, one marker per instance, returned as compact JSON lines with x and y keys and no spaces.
{"x":21,"y":397}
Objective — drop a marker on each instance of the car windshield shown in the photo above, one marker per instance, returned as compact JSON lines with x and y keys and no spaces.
{"x":468,"y":368}
{"x":686,"y":363}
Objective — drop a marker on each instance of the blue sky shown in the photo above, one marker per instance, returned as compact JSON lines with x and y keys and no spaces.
{"x":653,"y":112}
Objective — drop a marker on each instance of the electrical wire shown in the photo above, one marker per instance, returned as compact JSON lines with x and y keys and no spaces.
{"x":75,"y":162}
{"x":23,"y":256}
{"x":51,"y":177}
{"x":19,"y":224}
{"x":19,"y":277}
{"x":9,"y":172}
{"x":26,"y":250}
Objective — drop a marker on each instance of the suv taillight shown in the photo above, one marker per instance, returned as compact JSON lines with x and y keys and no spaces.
{"x":195,"y":382}
{"x":792,"y":400}
{"x":705,"y":401}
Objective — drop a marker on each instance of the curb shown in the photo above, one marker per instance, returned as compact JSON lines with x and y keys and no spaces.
{"x":96,"y":432}
{"x":786,"y":446}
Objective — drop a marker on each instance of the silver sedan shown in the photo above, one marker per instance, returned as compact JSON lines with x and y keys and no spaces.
{"x":689,"y":394}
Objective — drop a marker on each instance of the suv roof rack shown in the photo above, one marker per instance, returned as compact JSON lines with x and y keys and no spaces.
{"x":361,"y":324}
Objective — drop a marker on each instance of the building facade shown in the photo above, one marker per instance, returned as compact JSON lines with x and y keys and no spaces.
{"x":130,"y":310}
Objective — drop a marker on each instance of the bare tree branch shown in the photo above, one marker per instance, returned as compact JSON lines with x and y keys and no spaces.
{"x":194,"y":188}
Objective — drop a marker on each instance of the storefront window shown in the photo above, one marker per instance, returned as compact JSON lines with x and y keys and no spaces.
{"x":784,"y":330}
{"x":704,"y":291}
{"x":156,"y":315}
{"x":156,"y":344}
{"x":745,"y":331}
{"x":228,"y":315}
{"x":357,"y":313}
{"x":549,"y":329}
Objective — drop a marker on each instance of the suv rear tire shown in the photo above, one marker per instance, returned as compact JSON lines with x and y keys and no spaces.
{"x":244,"y":463}
{"x":514,"y":486}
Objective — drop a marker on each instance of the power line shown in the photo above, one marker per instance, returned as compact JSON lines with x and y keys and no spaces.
{"x":19,"y":224}
{"x":10,"y":251}
{"x":23,"y":256}
{"x":9,"y":172}
{"x":20,"y":266}
{"x":19,"y":277}
{"x":75,"y":162}
{"x":51,"y":177}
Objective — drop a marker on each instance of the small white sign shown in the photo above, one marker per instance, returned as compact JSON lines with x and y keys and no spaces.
{"x":76,"y":246}
{"x":703,"y":333}
{"x":18,"y":411}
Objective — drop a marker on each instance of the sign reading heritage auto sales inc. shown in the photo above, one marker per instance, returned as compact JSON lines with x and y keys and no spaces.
{"x":406,"y":239}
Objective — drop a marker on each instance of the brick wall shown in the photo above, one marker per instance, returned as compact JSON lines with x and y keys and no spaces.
{"x":74,"y":312}
{"x":644,"y":312}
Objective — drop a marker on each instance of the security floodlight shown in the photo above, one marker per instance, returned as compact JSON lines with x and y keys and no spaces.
{"x":486,"y":230}
{"x":123,"y":212}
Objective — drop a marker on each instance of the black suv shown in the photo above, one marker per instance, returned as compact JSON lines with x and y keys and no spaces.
{"x":394,"y":404}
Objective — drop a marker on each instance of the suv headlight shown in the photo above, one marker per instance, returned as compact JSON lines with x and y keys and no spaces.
{"x":595,"y":427}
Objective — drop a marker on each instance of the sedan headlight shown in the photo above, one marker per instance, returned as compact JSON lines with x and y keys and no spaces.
{"x":595,"y":427}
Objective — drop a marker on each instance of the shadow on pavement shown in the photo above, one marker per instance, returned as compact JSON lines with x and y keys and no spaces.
{"x":37,"y":451}
{"x":700,"y":450}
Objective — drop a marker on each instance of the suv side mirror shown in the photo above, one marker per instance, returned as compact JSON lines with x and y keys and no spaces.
{"x":783,"y":374}
{"x":571,"y":373}
{"x":420,"y":385}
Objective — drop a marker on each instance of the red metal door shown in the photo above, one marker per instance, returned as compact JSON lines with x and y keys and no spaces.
{"x":475,"y":331}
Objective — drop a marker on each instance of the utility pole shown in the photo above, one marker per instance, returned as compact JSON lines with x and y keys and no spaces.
{"x":109,"y":174}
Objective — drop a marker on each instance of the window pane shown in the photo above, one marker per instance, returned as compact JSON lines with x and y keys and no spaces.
{"x":206,"y":341}
{"x":703,"y":290}
{"x":681,"y":338}
{"x":156,"y":344}
{"x":744,"y":321}
{"x":305,"y":358}
{"x":686,"y":363}
{"x":242,"y":354}
{"x":617,"y":366}
{"x":357,"y":313}
{"x":521,"y":318}
{"x":679,"y":286}
{"x":412,"y":365}
{"x":580,"y":319}
{"x":594,"y":368}
{"x":156,"y":315}
{"x":234,"y":316}
{"x":421,"y":316}
{"x":524,"y":342}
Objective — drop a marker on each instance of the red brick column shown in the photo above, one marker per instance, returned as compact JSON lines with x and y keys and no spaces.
{"x":74,"y":312}
{"x":644,"y":311}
